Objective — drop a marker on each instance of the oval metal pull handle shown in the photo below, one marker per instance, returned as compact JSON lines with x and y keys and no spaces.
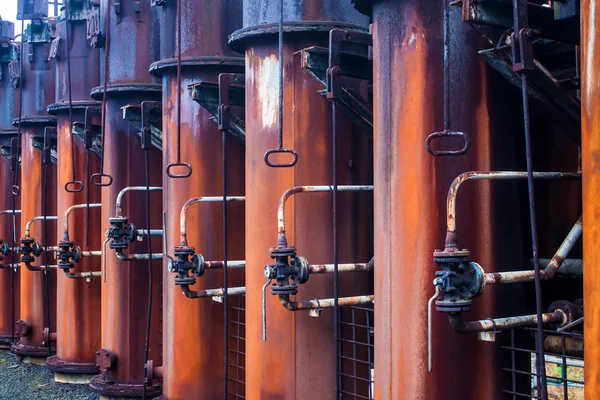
{"x":442,"y":153}
{"x":186,"y":174}
{"x":278,"y":151}
{"x":16,"y":190}
{"x":99,"y":182}
{"x":74,"y":186}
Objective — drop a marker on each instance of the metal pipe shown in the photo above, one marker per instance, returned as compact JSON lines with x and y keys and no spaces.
{"x":2,"y":212}
{"x":135,"y":257}
{"x":328,"y":268}
{"x":499,"y":324}
{"x":318,"y":304}
{"x":75,"y":207}
{"x":144,"y":232}
{"x":39,"y":218}
{"x":122,"y":193}
{"x":205,"y":199}
{"x":200,"y":294}
{"x":83,"y":275}
{"x":281,"y":238}
{"x":451,"y":238}
{"x":549,"y":272}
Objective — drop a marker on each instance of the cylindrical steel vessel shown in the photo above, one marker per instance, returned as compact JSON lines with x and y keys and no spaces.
{"x":590,"y":140}
{"x":193,"y":334}
{"x":37,"y":185}
{"x":411,"y":187}
{"x":9,"y":278}
{"x":132,"y":44}
{"x":77,"y":313}
{"x":297,"y":359}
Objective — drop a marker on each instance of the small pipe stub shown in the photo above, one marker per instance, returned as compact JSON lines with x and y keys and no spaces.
{"x":22,"y":328}
{"x":105,"y":359}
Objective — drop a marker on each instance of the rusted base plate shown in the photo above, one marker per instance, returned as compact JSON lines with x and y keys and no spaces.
{"x":72,"y":367}
{"x":32,"y":354}
{"x":73,"y":379}
{"x":113,"y":390}
{"x":5,"y":341}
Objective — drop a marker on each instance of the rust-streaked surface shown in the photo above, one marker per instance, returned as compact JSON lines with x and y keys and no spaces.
{"x":193,"y":341}
{"x":33,"y":287}
{"x":410,"y":201}
{"x":38,"y":81}
{"x":590,"y":140}
{"x":78,"y":311}
{"x":125,"y":292}
{"x":193,"y":334}
{"x":297,"y":360}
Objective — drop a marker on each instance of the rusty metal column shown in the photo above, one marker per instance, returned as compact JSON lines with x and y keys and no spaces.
{"x":9,"y":278}
{"x":193,"y":328}
{"x":590,"y":149}
{"x":410,"y":195}
{"x":132,"y":44}
{"x":37,"y":78}
{"x":297,"y":359}
{"x":78,"y":311}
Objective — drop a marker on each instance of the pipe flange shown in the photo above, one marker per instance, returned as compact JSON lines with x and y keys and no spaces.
{"x":31,"y":351}
{"x":184,"y":280}
{"x":68,"y":254}
{"x":301,"y":270}
{"x":121,"y":232}
{"x":22,"y":328}
{"x":284,"y":289}
{"x":105,"y":360}
{"x":104,"y":386}
{"x":282,"y":252}
{"x":568,"y":308}
{"x":71,"y":367}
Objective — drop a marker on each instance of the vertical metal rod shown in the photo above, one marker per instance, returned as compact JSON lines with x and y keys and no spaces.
{"x":46,"y":162}
{"x":105,"y":85}
{"x":69,"y":91}
{"x":15,"y":188}
{"x":446,"y":9}
{"x":150,"y":277}
{"x":179,"y":23}
{"x":87,"y":197}
{"x":336,"y":310}
{"x":280,"y":128}
{"x":225,"y":277}
{"x":521,"y":21}
{"x":513,"y":363}
{"x":12,"y":274}
{"x":564,"y":368}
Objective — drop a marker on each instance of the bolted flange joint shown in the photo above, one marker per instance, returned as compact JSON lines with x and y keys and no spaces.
{"x":29,"y":250}
{"x":4,"y":250}
{"x":460,"y":280}
{"x":186,"y":260}
{"x":68,"y":254}
{"x":288,"y":271}
{"x":121,"y":233}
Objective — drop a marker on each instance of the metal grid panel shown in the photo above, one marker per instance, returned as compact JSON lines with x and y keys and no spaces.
{"x":237,"y":348}
{"x":357,"y":352}
{"x":564,"y":369}
{"x":54,"y":7}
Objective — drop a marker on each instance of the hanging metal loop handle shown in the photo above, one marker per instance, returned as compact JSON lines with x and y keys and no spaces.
{"x":74,"y":186}
{"x":442,"y":153}
{"x":279,"y":165}
{"x":186,"y":174}
{"x":98,"y":179}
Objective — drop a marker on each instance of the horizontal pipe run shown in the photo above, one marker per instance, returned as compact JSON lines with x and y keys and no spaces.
{"x":33,"y":268}
{"x":94,"y":253}
{"x":318,"y":304}
{"x":76,"y":207}
{"x":551,"y":269}
{"x":131,"y":189}
{"x":328,"y":268}
{"x":200,"y":294}
{"x":499,"y":324}
{"x":451,"y":240}
{"x":39,"y":218}
{"x":83,"y":275}
{"x":571,"y":267}
{"x":187,"y":205}
{"x":9,"y":212}
{"x":281,"y":239}
{"x":135,"y":257}
{"x":144,"y":232}
{"x":219,"y":264}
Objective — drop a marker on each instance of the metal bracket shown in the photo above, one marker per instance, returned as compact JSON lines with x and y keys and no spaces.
{"x":224,"y":111}
{"x":54,"y":48}
{"x":146,"y":132}
{"x":334,"y":73}
{"x":94,"y":36}
{"x":14,"y":72}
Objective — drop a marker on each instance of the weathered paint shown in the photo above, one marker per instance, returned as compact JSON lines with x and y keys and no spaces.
{"x":590,"y":151}
{"x":410,"y":201}
{"x":291,"y":364}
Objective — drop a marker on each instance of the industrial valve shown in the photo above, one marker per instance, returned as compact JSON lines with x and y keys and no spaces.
{"x":460,"y":280}
{"x":68,"y":254}
{"x":29,"y":250}
{"x":121,"y":233}
{"x":4,"y":250}
{"x":186,"y":260}
{"x":287,"y":274}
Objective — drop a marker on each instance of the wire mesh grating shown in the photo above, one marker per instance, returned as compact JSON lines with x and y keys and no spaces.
{"x":237,"y":348}
{"x":357,"y":352}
